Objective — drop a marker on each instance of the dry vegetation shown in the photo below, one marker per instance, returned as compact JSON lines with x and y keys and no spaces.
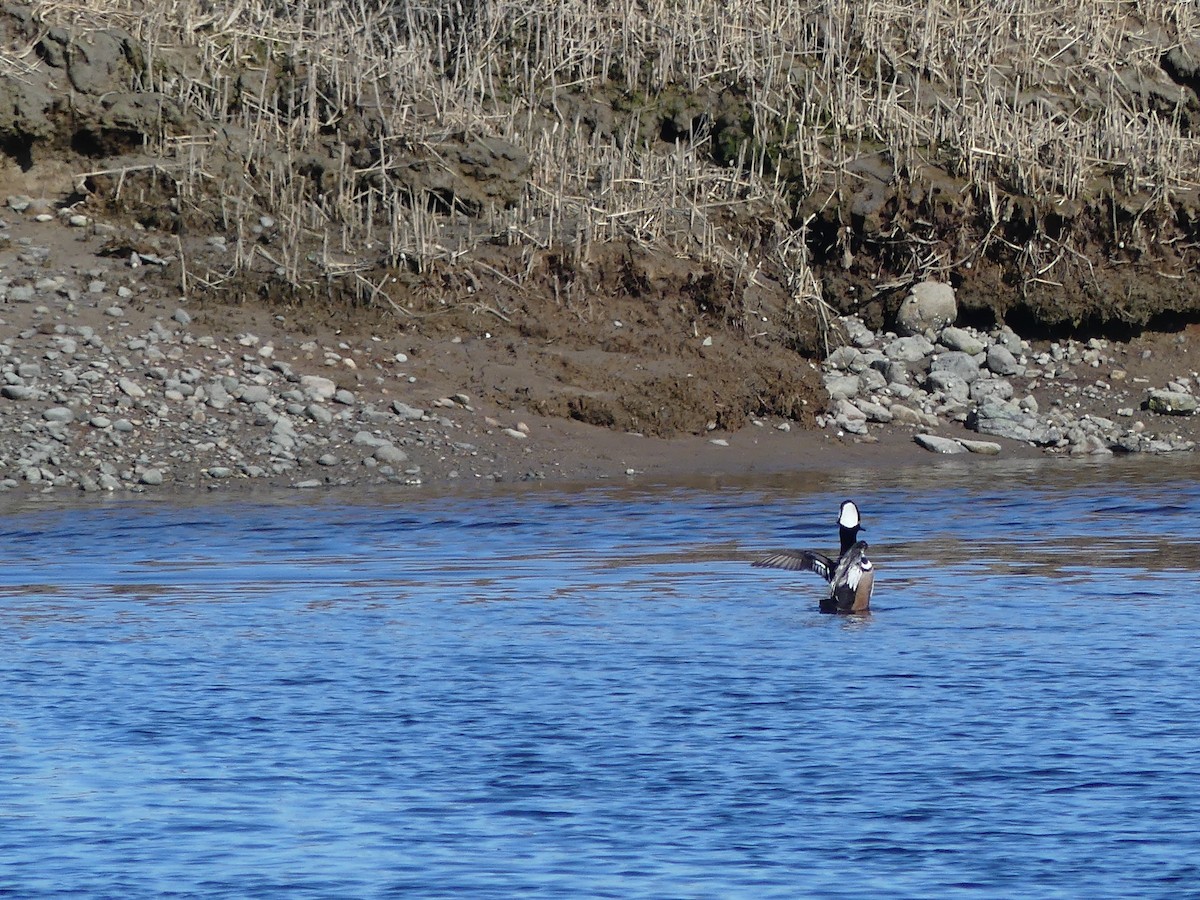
{"x":838,"y":149}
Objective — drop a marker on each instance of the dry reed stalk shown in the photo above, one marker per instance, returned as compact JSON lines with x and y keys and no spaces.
{"x":1029,"y":97}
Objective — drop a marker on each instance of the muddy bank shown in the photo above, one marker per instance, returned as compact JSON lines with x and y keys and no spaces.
{"x":111,"y":384}
{"x":636,"y":249}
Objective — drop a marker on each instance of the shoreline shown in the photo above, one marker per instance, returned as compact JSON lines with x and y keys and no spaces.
{"x":114,"y":384}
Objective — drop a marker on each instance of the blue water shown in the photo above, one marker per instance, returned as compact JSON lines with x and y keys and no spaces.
{"x":591,"y":693}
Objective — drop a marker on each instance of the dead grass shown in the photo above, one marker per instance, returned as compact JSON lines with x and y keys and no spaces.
{"x":1040,"y":99}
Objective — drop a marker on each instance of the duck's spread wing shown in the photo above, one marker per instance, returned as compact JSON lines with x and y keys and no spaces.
{"x":799,"y":561}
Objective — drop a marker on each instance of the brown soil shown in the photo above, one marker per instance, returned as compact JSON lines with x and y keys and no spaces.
{"x":601,"y":349}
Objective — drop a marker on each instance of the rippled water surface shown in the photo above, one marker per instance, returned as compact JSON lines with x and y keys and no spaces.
{"x":582,"y":694}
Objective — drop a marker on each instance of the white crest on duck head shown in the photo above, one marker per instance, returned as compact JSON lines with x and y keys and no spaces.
{"x":848,"y":517}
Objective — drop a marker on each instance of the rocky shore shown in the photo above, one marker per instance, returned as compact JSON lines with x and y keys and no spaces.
{"x":109,"y":383}
{"x":1078,"y":397}
{"x":112,"y":382}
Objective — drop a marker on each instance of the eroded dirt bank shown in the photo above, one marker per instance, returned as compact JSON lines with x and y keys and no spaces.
{"x":624,"y":276}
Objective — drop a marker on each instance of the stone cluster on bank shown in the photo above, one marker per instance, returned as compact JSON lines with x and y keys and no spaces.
{"x":100,"y":395}
{"x":936,"y":377}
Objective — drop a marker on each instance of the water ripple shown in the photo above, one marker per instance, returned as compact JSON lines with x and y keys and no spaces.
{"x":595,"y":695}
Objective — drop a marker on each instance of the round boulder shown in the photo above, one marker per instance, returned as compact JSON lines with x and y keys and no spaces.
{"x":928,"y":307}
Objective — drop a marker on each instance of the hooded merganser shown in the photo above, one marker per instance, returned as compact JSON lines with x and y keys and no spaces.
{"x":851,"y":578}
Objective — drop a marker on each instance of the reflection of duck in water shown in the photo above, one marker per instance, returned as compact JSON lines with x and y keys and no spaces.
{"x":851,"y":578}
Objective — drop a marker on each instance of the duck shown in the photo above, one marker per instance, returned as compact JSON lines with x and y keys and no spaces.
{"x":851,"y":576}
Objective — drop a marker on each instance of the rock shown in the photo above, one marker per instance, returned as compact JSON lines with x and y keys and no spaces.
{"x":152,"y":477}
{"x":366,"y":439}
{"x":929,"y":306}
{"x":948,"y":385}
{"x":1090,"y":445}
{"x":182,"y":317}
{"x":346,"y":398}
{"x":909,"y":349}
{"x":961,"y":365}
{"x":871,"y":381}
{"x":849,"y":417}
{"x":130,"y":388}
{"x":406,"y":412}
{"x":842,"y":387}
{"x":390,"y":454}
{"x":939,"y":444}
{"x":59,"y":414}
{"x":1006,"y":419}
{"x":984,"y":448}
{"x":991,"y":388}
{"x":847,"y":358}
{"x":1171,"y":403}
{"x":255,"y":393}
{"x":860,"y":335}
{"x":960,"y":339}
{"x":1001,"y":361}
{"x":874,"y":412}
{"x":318,"y":388}
{"x":17,"y":392}
{"x":893,"y":371}
{"x":319,"y":414}
{"x":906,"y":415}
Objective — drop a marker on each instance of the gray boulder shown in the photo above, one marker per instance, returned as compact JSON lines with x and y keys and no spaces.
{"x":908,"y":349}
{"x":860,"y":335}
{"x":1005,"y":419}
{"x":939,"y":444}
{"x":1000,"y":360}
{"x":906,"y":415}
{"x":842,"y":387}
{"x":870,"y":380}
{"x":875,"y":412}
{"x":949,"y":385}
{"x":848,"y":358}
{"x":849,"y":417}
{"x":1171,"y":403}
{"x":929,"y":306}
{"x":956,"y":338}
{"x":983,"y":448}
{"x":962,"y":365}
{"x":991,"y":388}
